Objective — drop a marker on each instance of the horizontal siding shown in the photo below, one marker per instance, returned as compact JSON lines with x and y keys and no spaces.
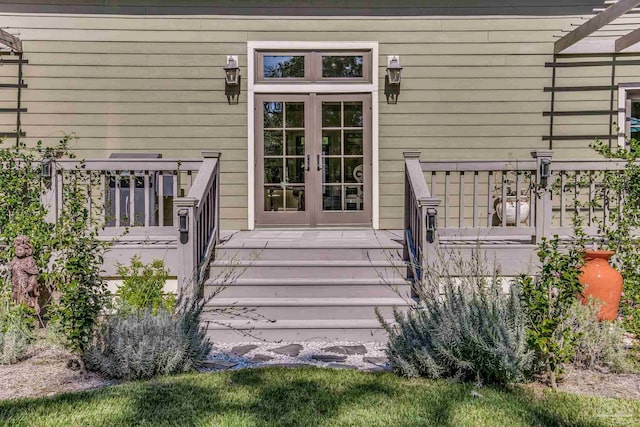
{"x":472,"y":88}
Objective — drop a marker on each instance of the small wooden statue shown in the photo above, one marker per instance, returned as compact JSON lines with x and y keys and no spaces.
{"x":24,"y":274}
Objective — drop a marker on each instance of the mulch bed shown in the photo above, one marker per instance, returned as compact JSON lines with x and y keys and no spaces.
{"x":44,"y":373}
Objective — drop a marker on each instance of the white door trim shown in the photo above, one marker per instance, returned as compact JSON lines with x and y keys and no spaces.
{"x":255,"y":88}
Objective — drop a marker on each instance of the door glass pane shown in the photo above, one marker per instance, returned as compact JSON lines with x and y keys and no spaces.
{"x":353,"y":198}
{"x":332,"y":169}
{"x":295,"y":114}
{"x":331,"y":142}
{"x":295,"y":142}
{"x":353,"y":143}
{"x":295,"y":171}
{"x":285,"y":66}
{"x":342,"y":66}
{"x":273,"y":199}
{"x":273,"y":171}
{"x":332,"y":197}
{"x":353,"y":169}
{"x":295,"y":199}
{"x":272,"y":115}
{"x":273,"y":143}
{"x":353,"y":114}
{"x":331,"y":114}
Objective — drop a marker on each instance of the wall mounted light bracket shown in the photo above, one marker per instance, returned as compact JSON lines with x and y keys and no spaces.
{"x":392,"y":79}
{"x":232,"y":79}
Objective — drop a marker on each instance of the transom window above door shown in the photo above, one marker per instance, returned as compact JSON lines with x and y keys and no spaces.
{"x":306,"y":66}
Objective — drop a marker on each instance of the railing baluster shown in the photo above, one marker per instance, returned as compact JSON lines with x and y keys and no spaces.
{"x":461,"y":202}
{"x":117,"y":197}
{"x":490,"y":199}
{"x":592,"y":192}
{"x":563,"y":184}
{"x":503,"y":200}
{"x":132,"y":199}
{"x":446,"y":198}
{"x":147,"y":200}
{"x":175,"y":193}
{"x":160,"y":198}
{"x":518,"y":194}
{"x":475,"y":199}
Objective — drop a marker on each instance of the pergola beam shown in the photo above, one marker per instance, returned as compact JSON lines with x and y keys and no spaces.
{"x":605,"y":17}
{"x":628,"y":40}
{"x":10,"y":41}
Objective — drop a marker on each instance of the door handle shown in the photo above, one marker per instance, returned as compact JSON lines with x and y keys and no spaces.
{"x":308,"y":162}
{"x":318,"y":161}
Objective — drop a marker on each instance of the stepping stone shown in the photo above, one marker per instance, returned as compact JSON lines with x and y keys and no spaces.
{"x":375,"y":360}
{"x":241,"y":350}
{"x":380,"y":369}
{"x":341,"y":366}
{"x":329,"y":358}
{"x":259,"y":358}
{"x":346,"y":349}
{"x":291,"y":350}
{"x":218,"y":364}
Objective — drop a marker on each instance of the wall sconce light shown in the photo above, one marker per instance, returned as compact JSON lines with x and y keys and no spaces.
{"x":392,"y":79}
{"x":183,"y":225}
{"x":232,"y":79}
{"x":432,"y":215}
{"x":545,"y":171}
{"x":45,"y":169}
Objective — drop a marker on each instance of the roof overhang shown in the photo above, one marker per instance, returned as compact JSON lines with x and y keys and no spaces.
{"x":614,"y":29}
{"x":10,"y":41}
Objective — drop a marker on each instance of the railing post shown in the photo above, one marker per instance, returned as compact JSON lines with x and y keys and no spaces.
{"x":408,"y":155}
{"x":184,"y":210}
{"x":215,"y":155}
{"x":543,"y":193}
{"x":429,"y":235}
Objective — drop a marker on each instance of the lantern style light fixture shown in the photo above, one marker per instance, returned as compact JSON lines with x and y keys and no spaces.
{"x":232,"y":79}
{"x":46,"y":169}
{"x":392,"y":79}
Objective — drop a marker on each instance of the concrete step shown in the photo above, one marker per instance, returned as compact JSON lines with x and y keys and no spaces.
{"x":309,"y":288}
{"x":314,"y":253}
{"x":362,"y":330}
{"x":304,"y":308}
{"x":285,"y":269}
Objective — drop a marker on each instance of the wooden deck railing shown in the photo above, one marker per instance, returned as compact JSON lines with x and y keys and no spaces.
{"x":140,"y":201}
{"x":199,"y":225}
{"x":540,"y":197}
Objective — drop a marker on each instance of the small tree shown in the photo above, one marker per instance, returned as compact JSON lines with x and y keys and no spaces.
{"x":68,"y":251}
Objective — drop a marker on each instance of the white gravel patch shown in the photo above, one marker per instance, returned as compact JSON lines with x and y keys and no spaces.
{"x":309,"y":348}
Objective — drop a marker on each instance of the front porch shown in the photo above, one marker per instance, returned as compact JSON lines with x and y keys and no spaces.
{"x":297,"y":284}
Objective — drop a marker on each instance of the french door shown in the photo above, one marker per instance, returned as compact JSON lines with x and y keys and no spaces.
{"x":313,"y":159}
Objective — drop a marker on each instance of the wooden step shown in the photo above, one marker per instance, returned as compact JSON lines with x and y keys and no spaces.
{"x":303,"y":308}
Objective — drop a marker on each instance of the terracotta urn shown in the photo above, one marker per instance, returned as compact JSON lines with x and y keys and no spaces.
{"x":601,"y":281}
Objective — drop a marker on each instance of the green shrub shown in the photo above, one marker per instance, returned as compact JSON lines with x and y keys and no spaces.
{"x":143,"y":345}
{"x":16,"y":329}
{"x":143,"y":284}
{"x":598,"y":344}
{"x":465,"y":327}
{"x":547,"y":301}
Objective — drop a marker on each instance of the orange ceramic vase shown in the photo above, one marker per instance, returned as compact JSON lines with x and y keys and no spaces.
{"x":600,"y":281}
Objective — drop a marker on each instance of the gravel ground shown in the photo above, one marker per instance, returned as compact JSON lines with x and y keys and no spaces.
{"x":224,"y":353}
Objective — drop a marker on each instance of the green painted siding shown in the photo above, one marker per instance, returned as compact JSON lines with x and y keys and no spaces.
{"x":472,"y":88}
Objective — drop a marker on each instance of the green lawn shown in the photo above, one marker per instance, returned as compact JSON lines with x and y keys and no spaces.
{"x":313,"y":397}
